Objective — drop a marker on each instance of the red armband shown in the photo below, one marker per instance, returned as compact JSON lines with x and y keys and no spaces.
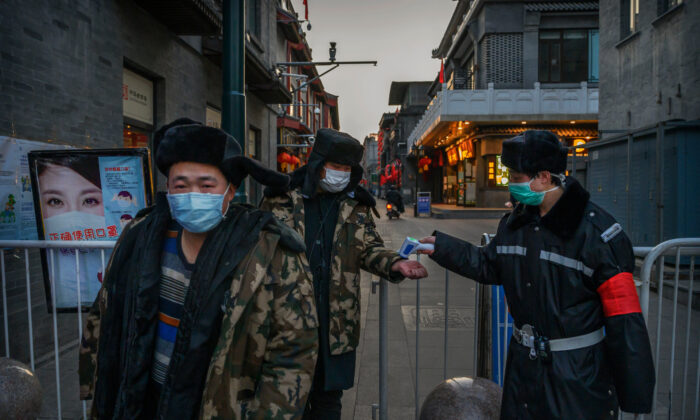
{"x":619,"y":296}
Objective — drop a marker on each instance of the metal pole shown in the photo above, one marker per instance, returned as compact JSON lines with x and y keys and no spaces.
{"x":505,"y":338}
{"x":29,"y":309}
{"x":673,"y":330}
{"x":80,"y":312}
{"x":233,"y":117}
{"x":498,"y":336}
{"x":477,"y":329}
{"x":687,"y":334}
{"x":573,"y":164}
{"x":415,"y":391}
{"x":55,"y":334}
{"x":659,"y":313}
{"x":383,"y":349}
{"x":4,"y":304}
{"x":447,"y":314}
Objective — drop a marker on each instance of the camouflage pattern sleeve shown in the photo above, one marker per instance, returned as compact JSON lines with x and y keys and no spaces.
{"x":282,"y":207}
{"x":375,"y":258}
{"x":87,"y":352}
{"x":292,"y":347}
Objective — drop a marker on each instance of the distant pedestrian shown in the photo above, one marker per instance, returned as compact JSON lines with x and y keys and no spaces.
{"x":580,"y":346}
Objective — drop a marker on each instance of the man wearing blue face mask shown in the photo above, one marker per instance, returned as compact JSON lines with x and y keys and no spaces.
{"x":580,"y":347}
{"x":206,"y":310}
{"x":325,"y":204}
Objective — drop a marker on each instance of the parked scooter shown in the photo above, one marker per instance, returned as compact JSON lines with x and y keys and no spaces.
{"x":391,"y":211}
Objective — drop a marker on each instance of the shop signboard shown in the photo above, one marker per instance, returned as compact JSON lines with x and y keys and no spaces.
{"x":83,"y":195}
{"x":137,"y":97}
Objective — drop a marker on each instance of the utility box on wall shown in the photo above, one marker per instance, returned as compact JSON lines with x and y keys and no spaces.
{"x":625,"y":174}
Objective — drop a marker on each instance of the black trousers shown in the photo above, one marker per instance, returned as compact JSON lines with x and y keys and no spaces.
{"x":323,"y":405}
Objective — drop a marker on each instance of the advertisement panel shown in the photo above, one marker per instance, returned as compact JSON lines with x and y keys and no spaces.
{"x":17,"y":216}
{"x":83,"y":195}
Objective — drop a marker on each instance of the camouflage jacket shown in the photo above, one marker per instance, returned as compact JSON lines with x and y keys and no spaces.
{"x":357,"y":245}
{"x":262,"y":356}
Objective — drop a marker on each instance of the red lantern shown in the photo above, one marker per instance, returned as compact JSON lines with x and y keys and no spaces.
{"x":424,"y":163}
{"x":282,"y":157}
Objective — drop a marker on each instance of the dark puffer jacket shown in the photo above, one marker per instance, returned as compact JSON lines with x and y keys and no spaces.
{"x":567,"y":274}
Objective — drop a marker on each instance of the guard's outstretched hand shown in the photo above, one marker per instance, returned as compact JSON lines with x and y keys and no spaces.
{"x":410,"y":269}
{"x":427,"y":240}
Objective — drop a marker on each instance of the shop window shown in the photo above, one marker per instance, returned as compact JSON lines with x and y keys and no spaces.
{"x":135,"y":137}
{"x":564,"y":56}
{"x":496,"y":172}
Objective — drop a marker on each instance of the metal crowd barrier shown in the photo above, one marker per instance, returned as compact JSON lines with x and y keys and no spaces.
{"x":50,"y":246}
{"x":683,"y":270}
{"x":380,"y":411}
{"x":654,"y":258}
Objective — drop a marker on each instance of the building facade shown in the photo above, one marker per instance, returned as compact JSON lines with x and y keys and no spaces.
{"x":643,"y":168}
{"x":107,"y":74}
{"x":412,"y":100}
{"x":370,"y":164}
{"x":508,"y":67}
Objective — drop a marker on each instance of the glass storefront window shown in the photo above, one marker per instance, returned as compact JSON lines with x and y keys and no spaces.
{"x":135,"y":137}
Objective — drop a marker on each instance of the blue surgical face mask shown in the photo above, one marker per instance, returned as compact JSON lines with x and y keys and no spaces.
{"x":197,"y":212}
{"x":524,"y":194}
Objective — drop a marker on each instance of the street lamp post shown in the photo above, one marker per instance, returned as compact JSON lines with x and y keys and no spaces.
{"x":233,"y":118}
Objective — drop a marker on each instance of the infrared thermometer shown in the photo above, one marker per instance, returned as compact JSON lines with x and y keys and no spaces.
{"x":411,"y":245}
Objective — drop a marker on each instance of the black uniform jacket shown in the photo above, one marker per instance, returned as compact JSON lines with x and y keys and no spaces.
{"x":567,"y":273}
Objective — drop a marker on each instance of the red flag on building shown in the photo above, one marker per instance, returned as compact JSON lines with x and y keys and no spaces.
{"x":442,"y":69}
{"x":306,"y":9}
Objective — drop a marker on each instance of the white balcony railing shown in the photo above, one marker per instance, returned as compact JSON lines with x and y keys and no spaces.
{"x":506,"y":105}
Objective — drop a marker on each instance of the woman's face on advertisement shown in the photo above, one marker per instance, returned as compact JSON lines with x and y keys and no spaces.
{"x":64,"y":190}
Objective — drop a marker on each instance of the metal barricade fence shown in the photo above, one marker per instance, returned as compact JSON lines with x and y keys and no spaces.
{"x":380,"y":411}
{"x":483,"y":332}
{"x":668,"y":401}
{"x":51,"y":247}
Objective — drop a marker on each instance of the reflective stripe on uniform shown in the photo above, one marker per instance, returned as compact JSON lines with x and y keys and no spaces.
{"x":511,"y":250}
{"x":566,"y":262}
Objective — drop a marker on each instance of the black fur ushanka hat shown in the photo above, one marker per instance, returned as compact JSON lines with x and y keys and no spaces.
{"x":185,"y":140}
{"x":337,"y":147}
{"x":534,"y":151}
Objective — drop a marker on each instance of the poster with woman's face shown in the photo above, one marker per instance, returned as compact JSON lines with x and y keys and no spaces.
{"x":85,"y":195}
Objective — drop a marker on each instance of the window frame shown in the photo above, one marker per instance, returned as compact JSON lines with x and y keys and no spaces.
{"x":557,"y":45}
{"x":253,"y":6}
